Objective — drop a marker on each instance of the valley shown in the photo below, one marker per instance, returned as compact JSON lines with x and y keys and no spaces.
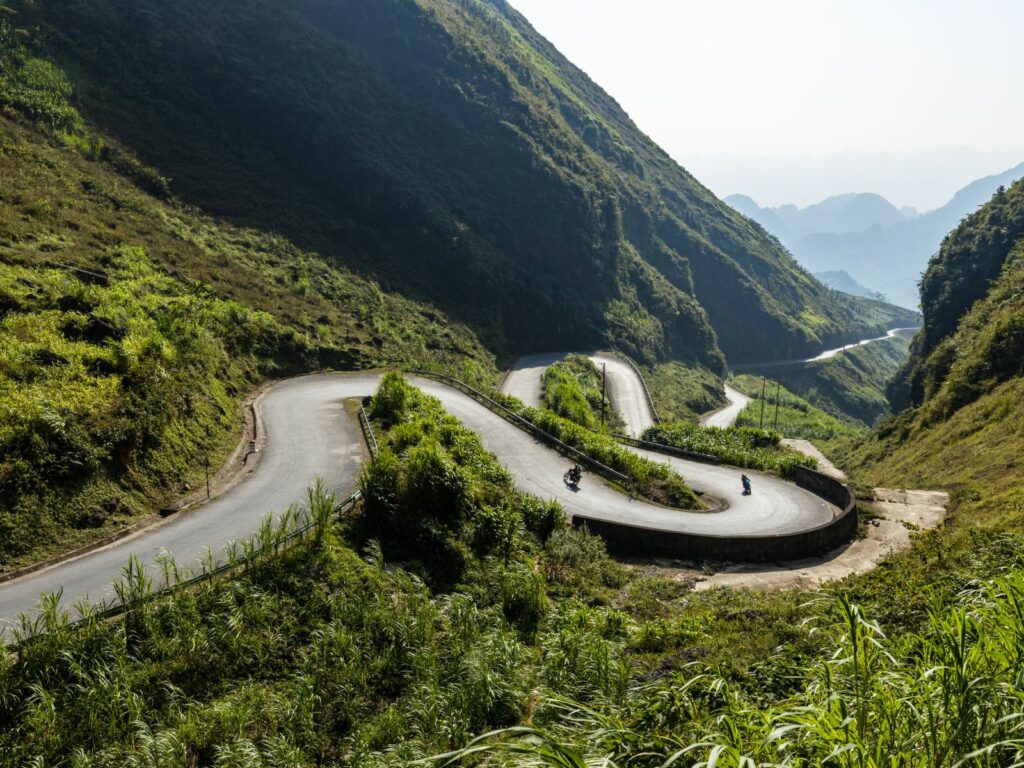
{"x":284,"y":436}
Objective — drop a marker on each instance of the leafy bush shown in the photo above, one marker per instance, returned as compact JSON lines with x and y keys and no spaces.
{"x":740,"y":446}
{"x":572,"y":389}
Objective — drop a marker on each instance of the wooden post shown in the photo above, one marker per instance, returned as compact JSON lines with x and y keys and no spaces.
{"x":778,"y":388}
{"x":206,"y":464}
{"x":764,"y":382}
{"x":604,"y":389}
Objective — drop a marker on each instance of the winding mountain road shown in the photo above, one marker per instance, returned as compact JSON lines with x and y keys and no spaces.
{"x":626,"y":391}
{"x":308,"y":435}
{"x":726,"y":417}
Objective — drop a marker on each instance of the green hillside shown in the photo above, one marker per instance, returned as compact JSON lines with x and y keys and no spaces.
{"x":966,"y":270}
{"x":965,"y":374}
{"x":850,"y":386}
{"x":118,"y":381}
{"x":453,"y":153}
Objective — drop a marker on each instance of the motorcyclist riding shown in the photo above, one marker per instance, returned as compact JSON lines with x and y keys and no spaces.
{"x":574,"y":475}
{"x":746,"y":484}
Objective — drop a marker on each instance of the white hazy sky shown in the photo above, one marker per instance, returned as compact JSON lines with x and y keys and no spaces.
{"x":717,"y":81}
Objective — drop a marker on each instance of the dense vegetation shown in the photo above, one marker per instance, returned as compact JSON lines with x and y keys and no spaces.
{"x":972,"y":338}
{"x":452,"y":152}
{"x":850,"y":386}
{"x":573,"y":389}
{"x":131,"y":329}
{"x":683,"y":393}
{"x":790,"y":414}
{"x":740,"y":446}
{"x":946,"y":697}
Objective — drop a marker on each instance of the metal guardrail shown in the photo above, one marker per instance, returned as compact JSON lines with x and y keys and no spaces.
{"x":682,"y":453}
{"x":517,"y":420}
{"x":114,"y":609}
{"x":368,"y":434}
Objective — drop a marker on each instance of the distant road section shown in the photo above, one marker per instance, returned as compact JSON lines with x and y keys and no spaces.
{"x":626,"y":391}
{"x":726,"y":417}
{"x":827,"y":354}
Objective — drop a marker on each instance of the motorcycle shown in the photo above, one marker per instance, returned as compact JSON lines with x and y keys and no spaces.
{"x":573,"y":476}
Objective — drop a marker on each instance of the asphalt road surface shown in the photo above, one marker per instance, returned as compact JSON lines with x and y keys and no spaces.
{"x":625,"y":389}
{"x":726,"y":417}
{"x":307,"y":435}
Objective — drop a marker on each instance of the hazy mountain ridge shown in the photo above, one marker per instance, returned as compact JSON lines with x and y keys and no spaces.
{"x":840,"y":280}
{"x":885,"y":257}
{"x":451,"y":151}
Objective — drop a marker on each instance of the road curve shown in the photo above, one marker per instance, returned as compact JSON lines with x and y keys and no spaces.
{"x":625,"y":389}
{"x":308,"y":435}
{"x":726,"y":417}
{"x":826,"y":355}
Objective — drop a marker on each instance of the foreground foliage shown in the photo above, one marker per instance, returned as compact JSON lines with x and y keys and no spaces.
{"x":949,"y":696}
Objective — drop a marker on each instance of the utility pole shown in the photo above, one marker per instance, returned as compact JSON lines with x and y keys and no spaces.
{"x":206,"y":465}
{"x":764,"y":381}
{"x":604,"y":389}
{"x":778,"y":388}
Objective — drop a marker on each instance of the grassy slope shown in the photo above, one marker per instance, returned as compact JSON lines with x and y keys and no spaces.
{"x":419,"y":145}
{"x":796,"y":417}
{"x":851,"y":385}
{"x":683,"y":393}
{"x":572,"y":389}
{"x":966,"y":435}
{"x":210,"y":308}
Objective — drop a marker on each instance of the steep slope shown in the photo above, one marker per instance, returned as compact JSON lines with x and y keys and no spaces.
{"x":964,"y":381}
{"x":449,"y":149}
{"x":970,"y":297}
{"x":131,"y":329}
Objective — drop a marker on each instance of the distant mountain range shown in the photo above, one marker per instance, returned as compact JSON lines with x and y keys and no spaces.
{"x":840,"y":280}
{"x":864,"y":235}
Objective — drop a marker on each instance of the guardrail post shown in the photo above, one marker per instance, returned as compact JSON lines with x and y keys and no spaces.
{"x":364,"y":423}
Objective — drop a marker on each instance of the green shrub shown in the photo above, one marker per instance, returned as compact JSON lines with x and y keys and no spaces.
{"x":524,"y":602}
{"x":435,"y":486}
{"x":740,"y":446}
{"x":393,"y":395}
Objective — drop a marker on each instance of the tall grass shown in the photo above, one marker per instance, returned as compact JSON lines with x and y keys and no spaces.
{"x":947,"y":697}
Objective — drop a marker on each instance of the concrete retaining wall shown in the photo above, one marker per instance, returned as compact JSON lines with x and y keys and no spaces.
{"x":633,"y":541}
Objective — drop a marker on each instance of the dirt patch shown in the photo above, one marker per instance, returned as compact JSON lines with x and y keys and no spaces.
{"x":899,"y":513}
{"x":807,"y":448}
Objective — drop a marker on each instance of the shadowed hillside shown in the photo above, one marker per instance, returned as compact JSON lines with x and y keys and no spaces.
{"x":448,"y":149}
